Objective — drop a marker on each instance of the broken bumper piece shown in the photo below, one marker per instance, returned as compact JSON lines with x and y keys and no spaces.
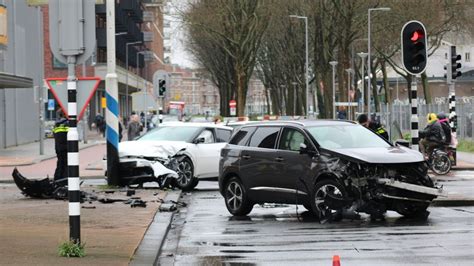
{"x":411,"y":187}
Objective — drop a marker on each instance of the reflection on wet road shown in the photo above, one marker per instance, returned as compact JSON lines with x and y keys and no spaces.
{"x":204,"y":233}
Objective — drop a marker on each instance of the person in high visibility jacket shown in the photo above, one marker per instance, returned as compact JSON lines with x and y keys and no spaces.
{"x":377,"y":128}
{"x":61,"y":127}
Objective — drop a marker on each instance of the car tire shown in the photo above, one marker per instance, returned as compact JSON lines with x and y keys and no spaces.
{"x":186,"y":180}
{"x":236,"y":197}
{"x":318,"y":206}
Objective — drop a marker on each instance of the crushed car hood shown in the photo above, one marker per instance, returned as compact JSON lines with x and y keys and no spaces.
{"x":146,"y":148}
{"x":388,"y":155}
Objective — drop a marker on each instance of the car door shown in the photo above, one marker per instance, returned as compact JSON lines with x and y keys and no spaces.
{"x":207,"y":154}
{"x":257,"y":163}
{"x":293,"y":166}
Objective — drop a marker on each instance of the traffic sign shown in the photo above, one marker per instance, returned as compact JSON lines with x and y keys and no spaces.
{"x":72,"y":29}
{"x":86,"y":88}
{"x":51,"y":105}
{"x":233,"y":107}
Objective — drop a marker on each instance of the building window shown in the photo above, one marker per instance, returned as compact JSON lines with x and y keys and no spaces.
{"x":467,"y":57}
{"x":58,"y":64}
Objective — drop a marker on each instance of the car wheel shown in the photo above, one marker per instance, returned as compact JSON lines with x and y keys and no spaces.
{"x":236,"y":198}
{"x":320,"y":207}
{"x":186,"y":180}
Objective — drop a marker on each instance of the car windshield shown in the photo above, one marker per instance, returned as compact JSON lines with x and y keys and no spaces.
{"x":171,"y":133}
{"x":346,"y":137}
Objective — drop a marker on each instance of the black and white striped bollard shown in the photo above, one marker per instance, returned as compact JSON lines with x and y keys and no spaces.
{"x":74,"y":190}
{"x":414,"y":115}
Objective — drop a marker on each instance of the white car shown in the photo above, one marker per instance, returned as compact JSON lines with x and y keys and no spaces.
{"x":198,"y":144}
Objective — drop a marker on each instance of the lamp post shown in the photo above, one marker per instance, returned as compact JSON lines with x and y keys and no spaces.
{"x":333,"y":64}
{"x":306,"y":62}
{"x":362,"y":58}
{"x":144,"y":86}
{"x":349,"y":72}
{"x":369,"y":65}
{"x":126,"y":77}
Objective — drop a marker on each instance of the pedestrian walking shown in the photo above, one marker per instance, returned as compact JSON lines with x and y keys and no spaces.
{"x":61,"y":127}
{"x":134,"y":127}
{"x":100,"y":123}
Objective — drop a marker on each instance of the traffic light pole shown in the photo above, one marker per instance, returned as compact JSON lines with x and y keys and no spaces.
{"x":414,"y":115}
{"x":452,"y":113}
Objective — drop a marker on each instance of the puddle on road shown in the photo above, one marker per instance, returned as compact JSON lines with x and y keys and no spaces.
{"x":223,"y":244}
{"x":223,"y":260}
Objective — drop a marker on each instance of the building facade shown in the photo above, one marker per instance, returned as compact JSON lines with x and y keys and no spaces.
{"x":21,"y":72}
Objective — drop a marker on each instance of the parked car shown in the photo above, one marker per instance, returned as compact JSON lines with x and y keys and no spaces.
{"x":325,"y":165}
{"x":198,"y":144}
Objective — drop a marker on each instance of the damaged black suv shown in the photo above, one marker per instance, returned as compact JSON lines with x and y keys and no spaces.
{"x":325,"y":165}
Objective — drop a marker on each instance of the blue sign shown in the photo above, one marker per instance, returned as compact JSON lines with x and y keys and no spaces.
{"x":51,"y":105}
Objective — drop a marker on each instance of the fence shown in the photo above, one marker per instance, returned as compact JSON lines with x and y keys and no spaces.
{"x":397,"y":117}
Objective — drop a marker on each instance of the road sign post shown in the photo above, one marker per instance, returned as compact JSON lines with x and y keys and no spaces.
{"x":72,"y":41}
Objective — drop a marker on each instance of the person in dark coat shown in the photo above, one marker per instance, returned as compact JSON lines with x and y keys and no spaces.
{"x":432,"y":135}
{"x":134,"y":127}
{"x":60,"y":129}
{"x":444,"y":121}
{"x":376,"y":127}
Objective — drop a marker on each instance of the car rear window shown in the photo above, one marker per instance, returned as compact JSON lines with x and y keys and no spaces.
{"x":242,"y":136}
{"x":223,"y":135}
{"x":264,"y":137}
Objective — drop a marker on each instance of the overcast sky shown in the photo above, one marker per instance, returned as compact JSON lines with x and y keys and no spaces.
{"x":179,"y":55}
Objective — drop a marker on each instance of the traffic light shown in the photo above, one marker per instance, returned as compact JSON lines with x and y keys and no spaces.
{"x":454,"y":64}
{"x":414,"y":46}
{"x":161,"y":87}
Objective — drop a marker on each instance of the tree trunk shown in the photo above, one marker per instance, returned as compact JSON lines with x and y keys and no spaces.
{"x":388,"y":95}
{"x":426,"y":88}
{"x":373,"y":84}
{"x":241,"y":91}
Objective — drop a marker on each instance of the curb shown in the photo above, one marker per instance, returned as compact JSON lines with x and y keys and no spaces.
{"x":452,"y":203}
{"x":149,"y":248}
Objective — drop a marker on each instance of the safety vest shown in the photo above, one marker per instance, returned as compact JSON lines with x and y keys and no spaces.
{"x":380,"y":130}
{"x":60,"y":128}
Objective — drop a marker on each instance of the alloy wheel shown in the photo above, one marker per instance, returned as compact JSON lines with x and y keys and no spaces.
{"x":234,"y":195}
{"x":185,"y":172}
{"x":319,"y":196}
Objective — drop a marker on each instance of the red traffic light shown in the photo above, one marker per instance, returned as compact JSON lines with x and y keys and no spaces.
{"x":416,"y":35}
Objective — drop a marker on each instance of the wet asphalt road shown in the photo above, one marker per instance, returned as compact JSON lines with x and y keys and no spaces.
{"x":204,"y":233}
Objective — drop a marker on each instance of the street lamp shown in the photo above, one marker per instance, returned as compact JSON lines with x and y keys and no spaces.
{"x":349,"y":72}
{"x":369,"y":66}
{"x":362,"y":58}
{"x":144,"y":86}
{"x":333,"y":64}
{"x":127,"y":111}
{"x":306,"y":61}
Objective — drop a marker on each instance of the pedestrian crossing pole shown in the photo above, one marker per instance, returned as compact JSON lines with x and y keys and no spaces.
{"x":74,"y":190}
{"x":414,"y":115}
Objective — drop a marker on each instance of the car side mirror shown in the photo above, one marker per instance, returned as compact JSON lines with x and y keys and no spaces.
{"x":199,"y":140}
{"x":305,"y":150}
{"x":402,"y":142}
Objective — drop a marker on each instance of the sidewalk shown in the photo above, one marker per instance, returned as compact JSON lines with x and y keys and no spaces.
{"x":28,"y":154}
